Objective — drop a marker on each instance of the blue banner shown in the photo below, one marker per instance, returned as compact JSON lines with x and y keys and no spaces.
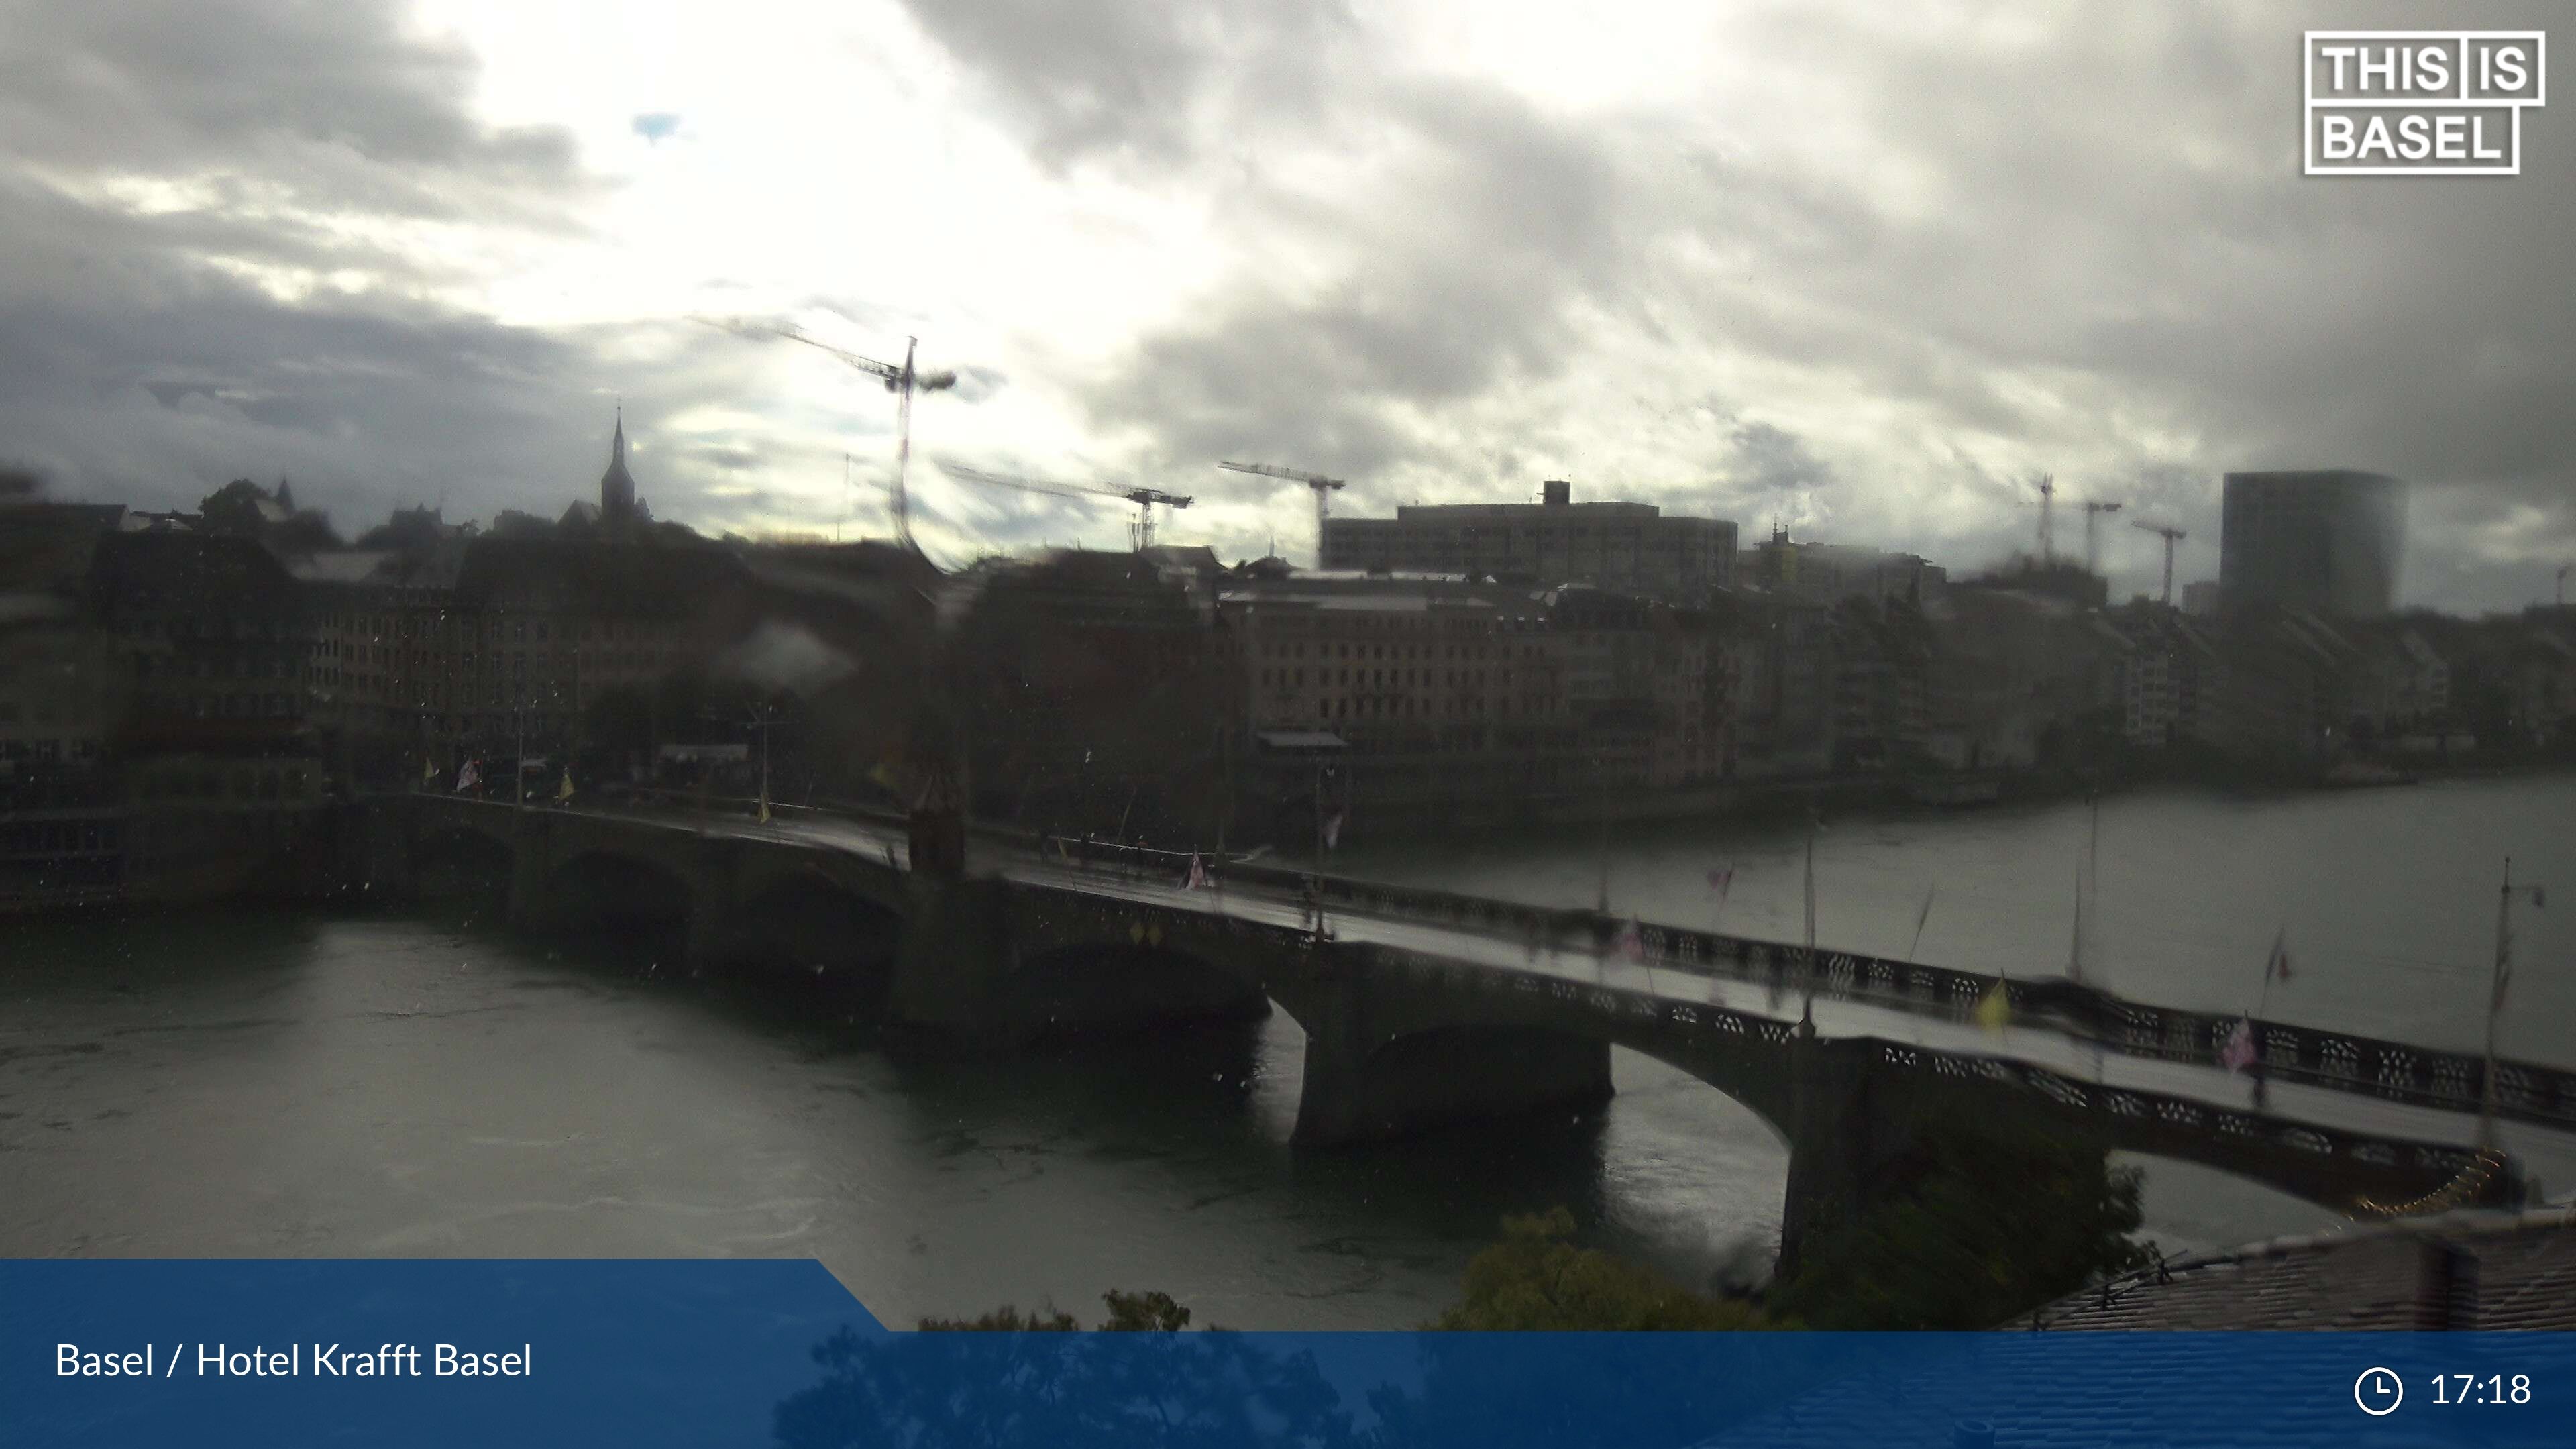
{"x":778,"y":1353}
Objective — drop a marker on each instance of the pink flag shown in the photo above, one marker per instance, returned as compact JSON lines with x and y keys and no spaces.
{"x":2238,"y":1053}
{"x":1632,"y":943}
{"x":1721,"y":881}
{"x":1198,"y":877}
{"x":2279,"y":967}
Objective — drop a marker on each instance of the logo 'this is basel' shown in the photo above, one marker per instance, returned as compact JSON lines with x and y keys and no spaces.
{"x":2421,"y":102}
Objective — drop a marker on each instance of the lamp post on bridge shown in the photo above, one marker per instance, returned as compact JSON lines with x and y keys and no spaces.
{"x":1323,"y":772}
{"x":2495,"y":998}
{"x":761,"y":716}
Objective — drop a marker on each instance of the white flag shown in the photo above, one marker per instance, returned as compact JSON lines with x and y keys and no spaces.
{"x":467,"y":777}
{"x":1333,"y":833}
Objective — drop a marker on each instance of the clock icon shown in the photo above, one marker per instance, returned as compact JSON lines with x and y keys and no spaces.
{"x":2378,"y":1391}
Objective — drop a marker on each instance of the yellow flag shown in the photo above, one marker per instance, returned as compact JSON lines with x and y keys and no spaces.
{"x":764,"y":810}
{"x":1994,"y":1012}
{"x":564,"y":790}
{"x":428,"y":769}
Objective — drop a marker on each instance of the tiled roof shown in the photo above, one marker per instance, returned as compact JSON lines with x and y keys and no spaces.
{"x":2366,"y":1277}
{"x":2053,"y":1390}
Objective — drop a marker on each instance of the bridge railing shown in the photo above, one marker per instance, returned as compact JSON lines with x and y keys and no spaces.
{"x":1138,"y":861}
{"x":2399,"y":1071}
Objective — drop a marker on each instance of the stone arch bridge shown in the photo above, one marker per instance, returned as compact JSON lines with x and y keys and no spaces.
{"x":1422,"y":1009}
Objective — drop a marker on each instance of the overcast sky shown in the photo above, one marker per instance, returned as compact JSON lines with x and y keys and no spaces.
{"x":1862,"y":268}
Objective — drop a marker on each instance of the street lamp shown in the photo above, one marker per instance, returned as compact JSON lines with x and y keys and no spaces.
{"x":2495,"y":998}
{"x":761,"y":717}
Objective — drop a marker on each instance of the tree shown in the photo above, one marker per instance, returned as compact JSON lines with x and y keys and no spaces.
{"x":408,"y":530}
{"x":1032,"y":1378}
{"x":1974,"y":1229}
{"x":1619,"y":1388}
{"x":1007,"y":1319}
{"x":1536,"y":1278}
{"x":307,"y":532}
{"x":235,"y":509}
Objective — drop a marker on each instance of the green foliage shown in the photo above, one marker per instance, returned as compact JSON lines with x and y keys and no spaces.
{"x":1031,"y":1378}
{"x":1974,"y":1230}
{"x":1537,"y":1279}
{"x":1007,"y":1319}
{"x":308,"y":532}
{"x":1148,"y":1312}
{"x":1474,"y":1391}
{"x":234,"y":508}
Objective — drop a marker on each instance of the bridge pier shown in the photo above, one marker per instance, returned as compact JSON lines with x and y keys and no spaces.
{"x":531,"y":903}
{"x":376,"y":850}
{"x":1373,"y":1074}
{"x":1847,"y":1127}
{"x":955,"y":951}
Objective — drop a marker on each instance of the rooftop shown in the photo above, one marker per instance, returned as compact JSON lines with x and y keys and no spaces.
{"x":2488,"y":1269}
{"x":2372,"y":1277}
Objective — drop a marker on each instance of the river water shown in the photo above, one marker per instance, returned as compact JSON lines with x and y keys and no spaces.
{"x":253,"y":1085}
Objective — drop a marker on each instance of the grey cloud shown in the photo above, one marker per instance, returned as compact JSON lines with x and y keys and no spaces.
{"x":2125,"y":228}
{"x":730,"y":459}
{"x":1135,"y":80}
{"x":1776,"y":465}
{"x":2083,"y":247}
{"x":137,"y":365}
{"x":158,"y":390}
{"x":975,"y":384}
{"x":329,"y":105}
{"x":1470,"y":254}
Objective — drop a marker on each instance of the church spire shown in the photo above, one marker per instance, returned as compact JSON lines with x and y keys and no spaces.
{"x":617,"y":486}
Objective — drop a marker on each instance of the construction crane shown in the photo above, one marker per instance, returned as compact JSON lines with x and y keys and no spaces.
{"x":2172,"y":536}
{"x":902,"y":381}
{"x":1140,"y":531}
{"x":1322,"y":485}
{"x":2047,"y":521}
{"x":2093,"y":511}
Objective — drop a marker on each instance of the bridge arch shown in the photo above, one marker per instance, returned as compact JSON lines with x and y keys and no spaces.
{"x":629,"y":897}
{"x":807,"y":926}
{"x":1119,"y":982}
{"x":453,"y":862}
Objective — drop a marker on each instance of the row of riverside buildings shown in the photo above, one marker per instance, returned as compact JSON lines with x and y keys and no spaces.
{"x":169,"y":687}
{"x":187,"y":704}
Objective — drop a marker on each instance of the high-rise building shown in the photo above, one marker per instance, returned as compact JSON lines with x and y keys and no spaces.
{"x":1627,"y":547}
{"x":1827,"y":573}
{"x":2326,"y":540}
